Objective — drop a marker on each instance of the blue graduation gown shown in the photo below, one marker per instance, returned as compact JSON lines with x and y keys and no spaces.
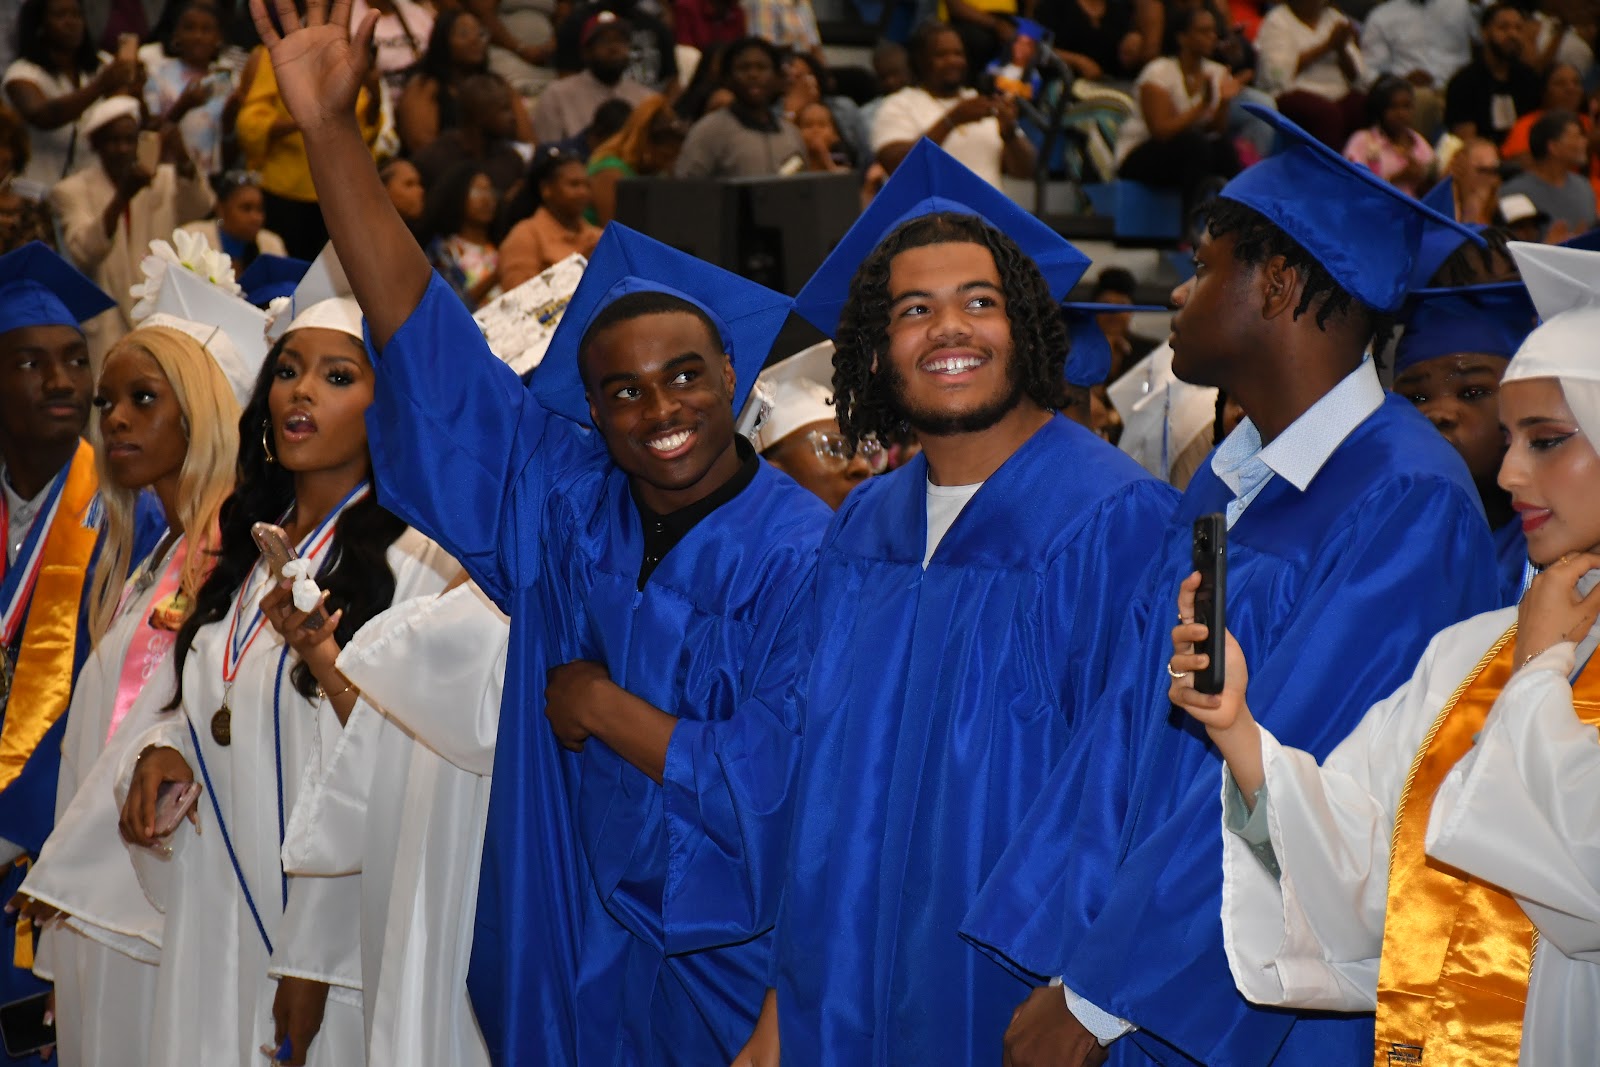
{"x":1511,"y":549}
{"x":28,"y":803}
{"x":619,"y":921}
{"x":1114,"y":881}
{"x":936,"y":704}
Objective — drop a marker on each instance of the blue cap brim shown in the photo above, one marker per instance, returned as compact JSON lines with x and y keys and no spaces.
{"x":1089,"y":353}
{"x":269,"y":277}
{"x":928,"y":181}
{"x":39,"y":288}
{"x":1358,"y":227}
{"x":747,"y":315}
{"x":1491,"y":320}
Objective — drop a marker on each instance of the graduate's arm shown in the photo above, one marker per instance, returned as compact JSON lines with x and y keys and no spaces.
{"x":730,"y":782}
{"x":319,"y":69}
{"x":582,"y":702}
{"x":1519,"y":811}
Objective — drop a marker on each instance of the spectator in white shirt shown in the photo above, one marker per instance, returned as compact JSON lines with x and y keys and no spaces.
{"x":1425,"y":42}
{"x":1309,"y":60}
{"x":980,"y":131}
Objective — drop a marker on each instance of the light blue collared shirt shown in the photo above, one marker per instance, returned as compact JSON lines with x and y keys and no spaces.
{"x":1297,"y":454}
{"x":1302,"y":450}
{"x":1436,"y":36}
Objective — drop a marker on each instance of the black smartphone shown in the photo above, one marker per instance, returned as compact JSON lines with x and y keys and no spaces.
{"x":1211,"y":560}
{"x":22,"y":1027}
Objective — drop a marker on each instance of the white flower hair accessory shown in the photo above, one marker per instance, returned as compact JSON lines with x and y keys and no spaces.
{"x":305,"y":592}
{"x":279,"y":307}
{"x":189,"y":251}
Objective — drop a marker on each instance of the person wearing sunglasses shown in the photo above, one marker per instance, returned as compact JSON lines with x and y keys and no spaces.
{"x":790,"y":419}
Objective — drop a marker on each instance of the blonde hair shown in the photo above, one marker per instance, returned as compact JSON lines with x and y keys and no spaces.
{"x":630,"y":143}
{"x":211,"y":422}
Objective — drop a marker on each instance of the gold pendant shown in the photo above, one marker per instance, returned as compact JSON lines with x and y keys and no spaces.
{"x":222,"y":726}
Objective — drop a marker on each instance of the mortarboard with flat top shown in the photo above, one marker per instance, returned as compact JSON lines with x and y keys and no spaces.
{"x":39,"y":288}
{"x":268,"y":277}
{"x":1490,"y":319}
{"x":1362,"y":230}
{"x":747,"y":315}
{"x":928,"y":181}
{"x":792,"y":393}
{"x":1088,"y":350}
{"x":1565,"y":286}
{"x":321,"y":300}
{"x":231,"y":329}
{"x":1438,"y":243}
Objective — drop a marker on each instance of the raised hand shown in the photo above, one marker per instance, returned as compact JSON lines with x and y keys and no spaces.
{"x":320,"y":67}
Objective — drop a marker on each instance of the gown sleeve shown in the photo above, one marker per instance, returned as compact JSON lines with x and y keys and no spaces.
{"x":1520,"y":811}
{"x":728,"y":785}
{"x":319,"y":938}
{"x":1312,"y":937}
{"x":461,"y":449}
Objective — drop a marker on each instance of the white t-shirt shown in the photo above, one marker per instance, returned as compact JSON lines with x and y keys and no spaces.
{"x":1165,"y":74}
{"x":944,"y":505}
{"x":50,"y":148}
{"x":907,"y":115}
{"x":1283,"y":39}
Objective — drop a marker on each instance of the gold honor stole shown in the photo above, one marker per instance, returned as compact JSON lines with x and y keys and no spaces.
{"x":1457,"y":952}
{"x":41,"y":686}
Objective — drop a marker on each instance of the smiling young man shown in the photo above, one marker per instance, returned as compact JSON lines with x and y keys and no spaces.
{"x":966,"y":609}
{"x":47,"y":484}
{"x":650,"y":570}
{"x":1354,"y":534}
{"x":746,"y":139}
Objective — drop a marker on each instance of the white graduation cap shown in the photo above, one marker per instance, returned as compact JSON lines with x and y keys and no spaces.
{"x":323,"y":300}
{"x":788,"y":395}
{"x":229,"y":327}
{"x":189,"y":288}
{"x":1565,"y":286}
{"x":518,"y":325}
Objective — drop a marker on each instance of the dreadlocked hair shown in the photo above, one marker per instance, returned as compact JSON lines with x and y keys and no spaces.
{"x":356,"y":573}
{"x":866,"y":406}
{"x":1257,"y":239}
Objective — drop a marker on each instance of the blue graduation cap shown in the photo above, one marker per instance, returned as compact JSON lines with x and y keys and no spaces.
{"x":928,"y":181}
{"x":1089,"y":353}
{"x":269,"y":277}
{"x":1361,"y":229}
{"x":1493,"y":319}
{"x":39,"y":288}
{"x":748,"y":316}
{"x":1439,"y":243}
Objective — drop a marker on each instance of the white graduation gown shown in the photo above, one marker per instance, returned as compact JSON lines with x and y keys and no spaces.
{"x":102,"y":956}
{"x":406,"y":789}
{"x":217,"y":979}
{"x":1520,"y":811}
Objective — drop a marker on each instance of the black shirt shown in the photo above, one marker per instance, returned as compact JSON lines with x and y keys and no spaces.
{"x":663,"y":532}
{"x":1472,"y":97}
{"x":1076,"y":32}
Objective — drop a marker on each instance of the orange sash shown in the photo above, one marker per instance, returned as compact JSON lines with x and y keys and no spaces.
{"x":1457,"y":952}
{"x":41,"y":687}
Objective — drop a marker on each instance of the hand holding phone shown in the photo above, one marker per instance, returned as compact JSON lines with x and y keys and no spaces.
{"x":279,"y":554}
{"x":128,"y":48}
{"x":173,"y":802}
{"x":1210,"y":551}
{"x":28,"y":1025}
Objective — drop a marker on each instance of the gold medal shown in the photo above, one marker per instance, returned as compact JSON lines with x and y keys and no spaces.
{"x":222,"y":726}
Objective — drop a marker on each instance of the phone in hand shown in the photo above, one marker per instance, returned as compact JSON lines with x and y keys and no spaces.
{"x":172,"y":803}
{"x":23,"y":1029}
{"x":149,"y":151}
{"x":278,"y":552}
{"x":128,"y":47}
{"x":1211,"y":561}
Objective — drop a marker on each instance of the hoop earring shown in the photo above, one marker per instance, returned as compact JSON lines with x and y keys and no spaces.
{"x":266,"y":444}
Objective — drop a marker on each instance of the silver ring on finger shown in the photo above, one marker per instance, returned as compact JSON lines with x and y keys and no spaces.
{"x":1176,"y":675}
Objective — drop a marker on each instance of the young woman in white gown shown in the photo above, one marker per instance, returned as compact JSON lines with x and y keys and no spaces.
{"x":1443,"y":865}
{"x":251,"y":957}
{"x":166,"y":421}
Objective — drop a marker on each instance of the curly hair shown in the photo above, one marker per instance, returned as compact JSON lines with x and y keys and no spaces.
{"x":356,"y":573}
{"x":1257,"y":240}
{"x":863,"y":396}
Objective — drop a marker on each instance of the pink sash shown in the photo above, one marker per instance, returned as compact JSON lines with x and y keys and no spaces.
{"x":152,"y":640}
